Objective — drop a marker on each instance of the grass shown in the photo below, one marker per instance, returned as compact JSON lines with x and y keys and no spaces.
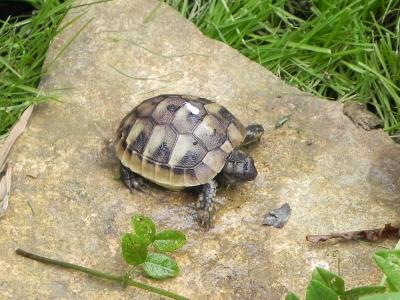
{"x":342,"y":50}
{"x":23,"y":48}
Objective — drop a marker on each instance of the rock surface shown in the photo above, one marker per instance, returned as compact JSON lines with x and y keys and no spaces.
{"x":65,"y":202}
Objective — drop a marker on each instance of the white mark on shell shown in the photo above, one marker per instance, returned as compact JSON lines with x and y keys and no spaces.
{"x":194,"y":110}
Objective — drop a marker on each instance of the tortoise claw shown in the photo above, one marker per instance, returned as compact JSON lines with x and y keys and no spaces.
{"x":204,"y":218}
{"x":136,"y":185}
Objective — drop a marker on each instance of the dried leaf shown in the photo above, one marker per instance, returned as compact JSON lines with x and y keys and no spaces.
{"x":15,"y":132}
{"x":277,"y":217}
{"x":5,"y":187}
{"x":5,"y":169}
{"x":369,"y":235}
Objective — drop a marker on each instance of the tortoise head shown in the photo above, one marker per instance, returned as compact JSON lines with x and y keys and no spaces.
{"x":239,"y":167}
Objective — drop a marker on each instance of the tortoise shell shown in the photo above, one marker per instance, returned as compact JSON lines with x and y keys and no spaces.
{"x":177,"y":141}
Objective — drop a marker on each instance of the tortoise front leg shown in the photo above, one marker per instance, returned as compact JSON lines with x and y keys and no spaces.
{"x":206,"y":203}
{"x":253,"y":134}
{"x":131,"y":179}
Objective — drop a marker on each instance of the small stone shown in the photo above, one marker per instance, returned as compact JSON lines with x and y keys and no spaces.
{"x":278,"y":217}
{"x":281,"y":121}
{"x":361,"y":116}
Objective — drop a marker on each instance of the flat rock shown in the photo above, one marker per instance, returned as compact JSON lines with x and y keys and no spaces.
{"x":66,"y":202}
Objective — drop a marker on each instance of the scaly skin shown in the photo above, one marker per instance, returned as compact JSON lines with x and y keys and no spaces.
{"x":132,"y":180}
{"x":253,"y":134}
{"x":206,"y":204}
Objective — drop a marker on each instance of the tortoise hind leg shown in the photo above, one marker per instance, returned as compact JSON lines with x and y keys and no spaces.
{"x":253,"y":134}
{"x":206,"y":204}
{"x":131,"y":179}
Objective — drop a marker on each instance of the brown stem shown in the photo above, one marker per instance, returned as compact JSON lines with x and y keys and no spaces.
{"x":123,"y":280}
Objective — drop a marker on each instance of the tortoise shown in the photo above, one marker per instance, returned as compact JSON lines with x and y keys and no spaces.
{"x":180,"y":142}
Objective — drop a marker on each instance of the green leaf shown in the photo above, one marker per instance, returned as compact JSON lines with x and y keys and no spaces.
{"x":291,"y":296}
{"x":160,"y":266}
{"x":134,"y":250}
{"x":329,"y":279}
{"x":317,"y":291}
{"x":387,"y":296}
{"x":389,"y":262}
{"x":356,"y":293}
{"x":169,"y":240}
{"x":144,"y":227}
